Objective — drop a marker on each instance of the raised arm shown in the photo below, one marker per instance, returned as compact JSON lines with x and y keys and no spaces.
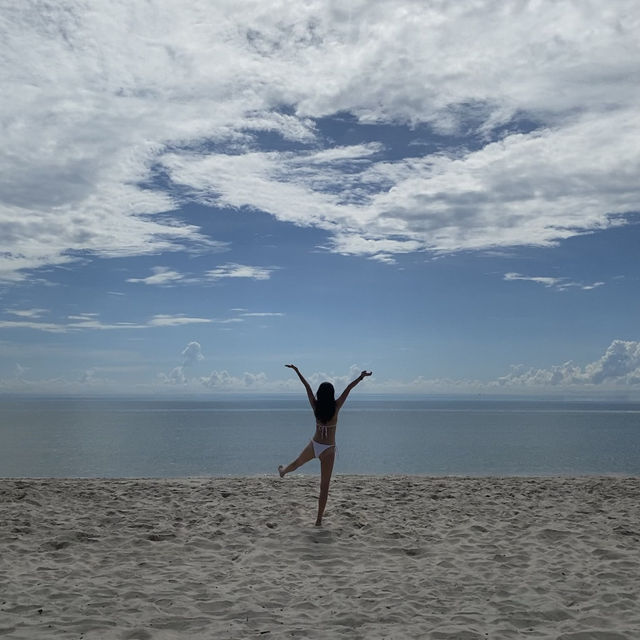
{"x":342,"y":399}
{"x":312,"y":398}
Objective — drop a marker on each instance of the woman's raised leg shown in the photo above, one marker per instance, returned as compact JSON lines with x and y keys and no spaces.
{"x":326,"y":469}
{"x":306,"y":455}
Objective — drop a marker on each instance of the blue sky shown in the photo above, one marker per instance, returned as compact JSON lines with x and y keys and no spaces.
{"x":193,"y":195}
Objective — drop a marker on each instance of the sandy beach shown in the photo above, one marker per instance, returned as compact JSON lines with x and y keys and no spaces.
{"x":397,"y":557}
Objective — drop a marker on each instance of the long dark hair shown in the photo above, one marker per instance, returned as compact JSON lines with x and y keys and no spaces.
{"x":325,"y":403}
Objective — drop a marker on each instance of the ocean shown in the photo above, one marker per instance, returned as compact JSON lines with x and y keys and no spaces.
{"x":120,"y":437}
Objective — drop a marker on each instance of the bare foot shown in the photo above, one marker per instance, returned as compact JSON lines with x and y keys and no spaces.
{"x":281,"y":470}
{"x":318,"y":522}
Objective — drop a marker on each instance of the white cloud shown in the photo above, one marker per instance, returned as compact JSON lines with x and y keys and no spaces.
{"x":92,"y":321}
{"x":262,"y":314}
{"x":546,"y":281}
{"x":233,"y":270}
{"x":224,"y":381}
{"x":534,"y":189}
{"x":165,"y":277}
{"x":162,"y":276}
{"x":89,"y":377}
{"x":166,"y":320}
{"x":618,"y":366}
{"x":28,"y":313}
{"x":98,"y":97}
{"x":378,"y":248}
{"x":48,"y":327}
{"x":192,"y":353}
{"x":176,"y":376}
{"x":620,"y":363}
{"x":336,"y":154}
{"x":560,"y":284}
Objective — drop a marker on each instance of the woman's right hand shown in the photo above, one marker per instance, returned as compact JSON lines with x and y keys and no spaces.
{"x":291,"y":366}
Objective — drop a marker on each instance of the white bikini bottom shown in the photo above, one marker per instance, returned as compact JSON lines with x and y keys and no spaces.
{"x":319,"y":448}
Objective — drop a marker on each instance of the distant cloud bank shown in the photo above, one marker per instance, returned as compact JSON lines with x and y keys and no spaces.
{"x":620,"y":365}
{"x":617,"y":370}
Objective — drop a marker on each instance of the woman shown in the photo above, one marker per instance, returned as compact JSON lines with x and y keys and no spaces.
{"x":323,"y":444}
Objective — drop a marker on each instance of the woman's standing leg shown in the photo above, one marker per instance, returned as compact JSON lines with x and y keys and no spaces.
{"x":326,"y":469}
{"x":306,"y":455}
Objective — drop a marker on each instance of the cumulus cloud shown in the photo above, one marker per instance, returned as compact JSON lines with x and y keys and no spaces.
{"x":89,"y":377}
{"x":618,"y":366}
{"x":108,"y":111}
{"x":621,"y":362}
{"x":191,"y":355}
{"x":224,"y":381}
{"x":175,"y":376}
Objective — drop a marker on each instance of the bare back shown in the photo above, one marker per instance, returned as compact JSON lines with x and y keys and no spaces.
{"x":326,"y":433}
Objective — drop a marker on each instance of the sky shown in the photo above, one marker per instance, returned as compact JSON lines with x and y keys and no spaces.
{"x":194,"y":194}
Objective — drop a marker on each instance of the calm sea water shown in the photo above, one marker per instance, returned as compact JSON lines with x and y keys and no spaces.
{"x":251,"y":436}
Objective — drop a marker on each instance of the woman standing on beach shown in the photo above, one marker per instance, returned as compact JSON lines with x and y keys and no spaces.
{"x":323,"y":444}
